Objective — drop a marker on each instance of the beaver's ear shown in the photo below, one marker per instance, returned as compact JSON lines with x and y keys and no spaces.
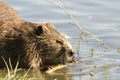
{"x":39,"y":30}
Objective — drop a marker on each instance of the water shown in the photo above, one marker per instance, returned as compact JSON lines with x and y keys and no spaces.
{"x":100,"y":17}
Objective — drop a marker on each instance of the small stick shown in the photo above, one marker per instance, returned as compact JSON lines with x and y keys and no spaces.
{"x":55,"y":68}
{"x":59,"y":66}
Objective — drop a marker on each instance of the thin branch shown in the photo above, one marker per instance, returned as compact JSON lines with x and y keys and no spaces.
{"x":81,"y":27}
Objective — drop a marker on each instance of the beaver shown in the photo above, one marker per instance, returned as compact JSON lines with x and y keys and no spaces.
{"x":31,"y":44}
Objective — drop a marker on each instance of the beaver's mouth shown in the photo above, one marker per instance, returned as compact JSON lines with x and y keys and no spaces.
{"x":51,"y":68}
{"x":58,"y":62}
{"x":53,"y":61}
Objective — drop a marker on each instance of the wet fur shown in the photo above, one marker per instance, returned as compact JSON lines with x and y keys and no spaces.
{"x":31,"y":44}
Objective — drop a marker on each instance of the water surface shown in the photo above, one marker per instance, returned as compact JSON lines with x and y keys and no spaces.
{"x":100,"y":17}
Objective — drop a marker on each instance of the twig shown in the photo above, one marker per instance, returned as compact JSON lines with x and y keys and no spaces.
{"x":81,"y":27}
{"x":55,"y":68}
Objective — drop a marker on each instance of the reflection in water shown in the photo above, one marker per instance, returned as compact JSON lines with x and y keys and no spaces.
{"x":61,"y":74}
{"x":83,"y":70}
{"x":105,"y":73}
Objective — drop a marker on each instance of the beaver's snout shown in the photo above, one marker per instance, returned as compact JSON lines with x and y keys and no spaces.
{"x":70,"y":56}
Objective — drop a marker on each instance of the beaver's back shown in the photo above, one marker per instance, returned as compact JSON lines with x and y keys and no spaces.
{"x":8,"y":19}
{"x":8,"y":16}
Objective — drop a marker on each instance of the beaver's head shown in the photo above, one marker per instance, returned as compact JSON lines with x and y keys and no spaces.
{"x":50,"y":46}
{"x":38,"y":45}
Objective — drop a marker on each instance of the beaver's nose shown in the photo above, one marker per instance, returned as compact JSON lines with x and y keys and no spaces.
{"x":71,"y":53}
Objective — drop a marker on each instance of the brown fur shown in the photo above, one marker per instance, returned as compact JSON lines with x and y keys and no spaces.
{"x":30,"y":43}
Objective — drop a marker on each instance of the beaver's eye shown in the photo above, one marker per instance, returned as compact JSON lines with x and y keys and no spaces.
{"x":39,"y":30}
{"x":60,"y":41}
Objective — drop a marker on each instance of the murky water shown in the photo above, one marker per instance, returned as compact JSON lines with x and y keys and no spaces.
{"x":100,"y":17}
